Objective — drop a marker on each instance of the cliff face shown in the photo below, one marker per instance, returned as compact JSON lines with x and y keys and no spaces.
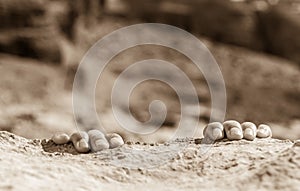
{"x":35,"y":28}
{"x":270,"y":26}
{"x":36,"y":97}
{"x":179,"y":165}
{"x":28,"y":30}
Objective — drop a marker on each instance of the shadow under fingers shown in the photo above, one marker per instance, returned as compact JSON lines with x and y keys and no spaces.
{"x":51,"y":147}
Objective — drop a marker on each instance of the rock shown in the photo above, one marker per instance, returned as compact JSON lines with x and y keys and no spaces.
{"x":271,"y":26}
{"x":225,"y":21}
{"x":18,"y":13}
{"x":41,"y":44}
{"x":229,"y":22}
{"x":280,"y":27}
{"x":35,"y":28}
{"x":28,"y":30}
{"x":31,"y":164}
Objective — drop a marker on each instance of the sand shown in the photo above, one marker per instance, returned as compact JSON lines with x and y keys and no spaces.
{"x":262,"y":164}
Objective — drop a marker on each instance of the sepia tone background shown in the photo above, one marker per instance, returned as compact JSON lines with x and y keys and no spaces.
{"x":255,"y":42}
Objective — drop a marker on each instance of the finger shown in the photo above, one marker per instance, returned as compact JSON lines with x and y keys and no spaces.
{"x":98,"y":141}
{"x":60,"y":138}
{"x":233,"y":130}
{"x":214,"y":131}
{"x":115,"y":140}
{"x":249,"y":130}
{"x":264,"y":131}
{"x":80,"y":141}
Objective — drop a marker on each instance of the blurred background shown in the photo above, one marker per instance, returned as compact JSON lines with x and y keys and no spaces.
{"x":255,"y":42}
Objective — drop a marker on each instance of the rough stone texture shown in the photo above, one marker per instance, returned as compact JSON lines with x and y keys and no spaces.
{"x":271,"y":26}
{"x":17,"y":14}
{"x":178,"y":165}
{"x":39,"y":43}
{"x":27,"y":30}
{"x":280,"y":27}
{"x":220,"y":20}
{"x":35,"y":28}
{"x":227,"y":22}
{"x":271,"y":95}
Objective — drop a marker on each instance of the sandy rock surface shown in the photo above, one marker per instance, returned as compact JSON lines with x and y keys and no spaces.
{"x":177,"y":165}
